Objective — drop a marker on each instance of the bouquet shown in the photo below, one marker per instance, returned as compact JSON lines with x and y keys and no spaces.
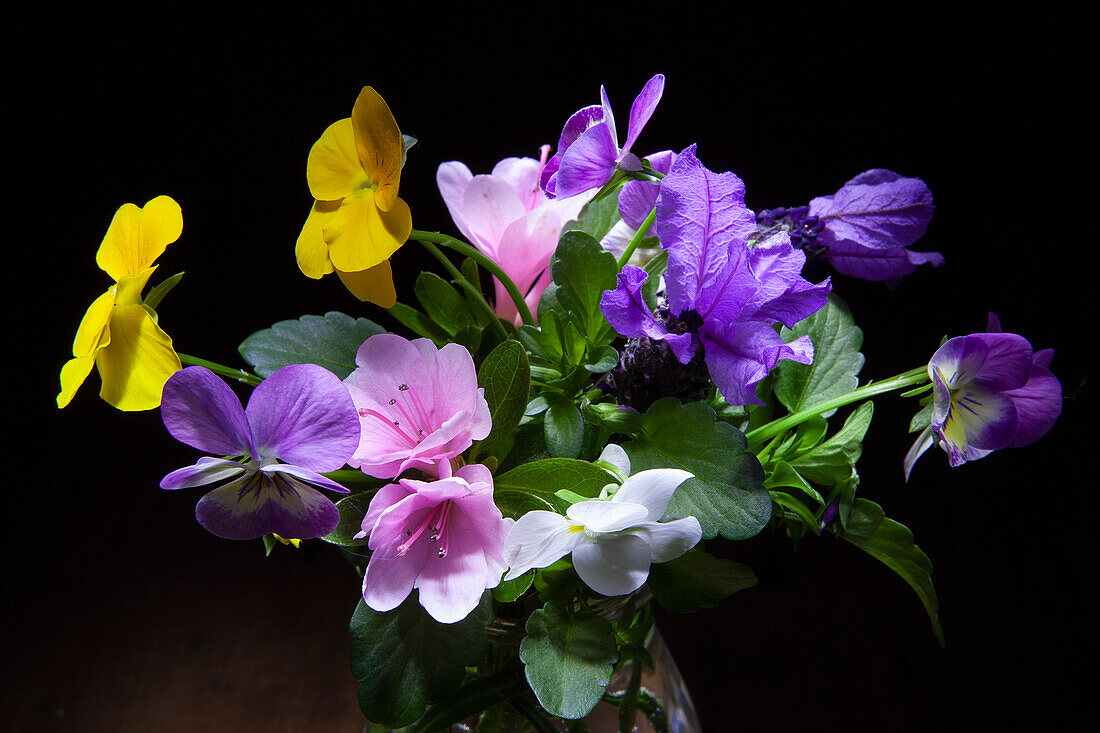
{"x":621,"y":367}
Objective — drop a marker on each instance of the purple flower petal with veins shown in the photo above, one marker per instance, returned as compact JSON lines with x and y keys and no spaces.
{"x":302,"y":414}
{"x":871,"y":221}
{"x":722,"y":295}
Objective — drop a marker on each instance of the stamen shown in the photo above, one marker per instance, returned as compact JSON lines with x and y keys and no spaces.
{"x":393,"y":424}
{"x":446,"y":514}
{"x":421,"y":411}
{"x":404,"y":546}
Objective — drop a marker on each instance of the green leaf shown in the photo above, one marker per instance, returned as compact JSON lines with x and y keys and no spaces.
{"x":922,"y":419}
{"x":152,"y":300}
{"x":892,"y":543}
{"x":582,"y":270}
{"x":832,"y":462}
{"x":527,"y":443}
{"x":404,"y":659}
{"x":443,"y":303}
{"x":596,"y":218}
{"x":782,"y":475}
{"x":564,"y":429}
{"x":506,"y":377}
{"x":541,"y":480}
{"x":418,"y":323}
{"x":614,"y":418}
{"x":474,"y":696}
{"x":837,"y":360}
{"x":470,"y":272}
{"x":331,"y":341}
{"x":603,"y":360}
{"x":697,"y":580}
{"x":568,"y":659}
{"x":551,"y":339}
{"x":508,"y":591}
{"x":792,"y":503}
{"x":352,"y":510}
{"x":727,"y":495}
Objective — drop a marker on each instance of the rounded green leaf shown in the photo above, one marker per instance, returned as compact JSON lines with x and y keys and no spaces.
{"x":331,"y":341}
{"x":568,"y":659}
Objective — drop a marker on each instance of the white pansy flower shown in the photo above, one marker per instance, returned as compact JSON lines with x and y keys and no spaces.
{"x":613,"y":542}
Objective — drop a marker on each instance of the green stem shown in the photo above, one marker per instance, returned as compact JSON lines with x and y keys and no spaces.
{"x":466,"y":285}
{"x":777,"y":427}
{"x":637,"y":238}
{"x":464,"y":249}
{"x":350,"y":476}
{"x":239,"y":374}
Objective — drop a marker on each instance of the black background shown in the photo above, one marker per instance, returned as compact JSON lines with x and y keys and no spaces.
{"x":124,"y":614}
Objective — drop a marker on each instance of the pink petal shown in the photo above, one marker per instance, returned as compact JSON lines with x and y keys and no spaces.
{"x":452,"y":178}
{"x":451,"y":586}
{"x":489,"y":205}
{"x":390,"y":577}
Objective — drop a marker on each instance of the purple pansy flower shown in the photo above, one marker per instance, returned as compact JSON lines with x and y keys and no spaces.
{"x":301,"y":414}
{"x":990,"y":391}
{"x":870,"y":223}
{"x":588,"y":150}
{"x":445,"y":537}
{"x":721,"y":295}
{"x":418,"y":405}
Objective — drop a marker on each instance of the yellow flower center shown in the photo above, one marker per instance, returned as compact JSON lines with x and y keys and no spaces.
{"x":363,"y":186}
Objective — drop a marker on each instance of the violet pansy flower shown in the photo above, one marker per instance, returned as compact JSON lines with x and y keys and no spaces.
{"x":444,"y":537}
{"x":507,"y":217}
{"x":612,"y":542}
{"x":301,"y":414}
{"x":870,"y":223}
{"x":722,"y":296}
{"x":418,"y":405}
{"x":990,"y":391}
{"x":588,"y":151}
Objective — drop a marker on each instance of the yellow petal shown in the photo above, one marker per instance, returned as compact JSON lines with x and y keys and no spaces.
{"x":379,"y":144}
{"x":374,"y":285}
{"x":333,"y":169}
{"x":138,"y":361}
{"x":311,"y":250}
{"x":73,"y":374}
{"x":129,"y":287}
{"x":137,"y":237}
{"x":77,"y":369}
{"x":360,"y":236}
{"x":94,"y":324}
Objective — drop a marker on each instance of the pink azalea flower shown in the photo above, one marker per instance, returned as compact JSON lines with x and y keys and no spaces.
{"x":418,"y":405}
{"x":508,"y":217}
{"x":444,"y":537}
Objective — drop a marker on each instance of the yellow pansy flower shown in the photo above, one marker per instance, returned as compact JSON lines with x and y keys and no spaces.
{"x":119,"y":334}
{"x":357,"y":220}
